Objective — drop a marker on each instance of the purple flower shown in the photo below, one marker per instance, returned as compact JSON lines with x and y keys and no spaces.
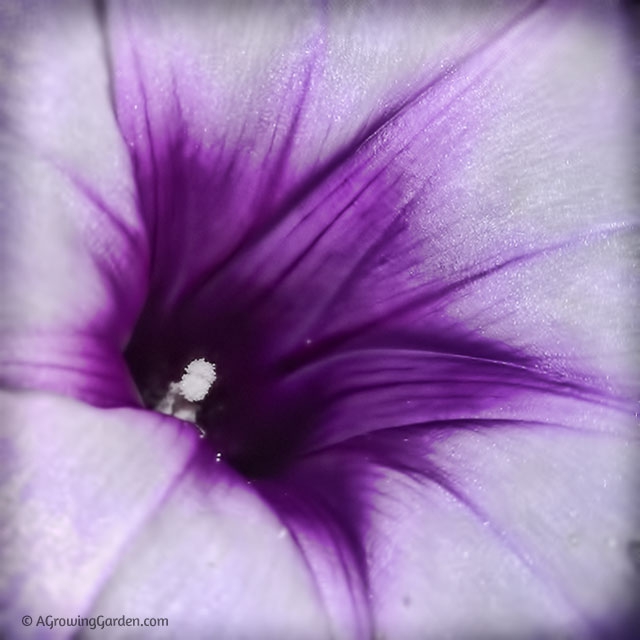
{"x":404,"y":237}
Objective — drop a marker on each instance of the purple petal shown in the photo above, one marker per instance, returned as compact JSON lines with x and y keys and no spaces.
{"x":74,"y":257}
{"x":103,"y":518}
{"x":407,"y":293}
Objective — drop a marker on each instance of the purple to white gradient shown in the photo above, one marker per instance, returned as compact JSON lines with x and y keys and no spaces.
{"x":406,"y":237}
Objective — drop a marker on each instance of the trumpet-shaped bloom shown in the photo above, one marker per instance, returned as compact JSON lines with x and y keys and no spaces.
{"x":381,"y":255}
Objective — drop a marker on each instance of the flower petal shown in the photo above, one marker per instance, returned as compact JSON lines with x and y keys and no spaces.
{"x":101,"y":516}
{"x":73,"y":252}
{"x":515,"y":532}
{"x":448,"y":350}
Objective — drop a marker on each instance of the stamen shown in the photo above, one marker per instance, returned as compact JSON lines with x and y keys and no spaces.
{"x":183,"y":398}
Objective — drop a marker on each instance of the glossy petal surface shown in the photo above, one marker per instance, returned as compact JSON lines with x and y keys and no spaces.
{"x":406,"y":239}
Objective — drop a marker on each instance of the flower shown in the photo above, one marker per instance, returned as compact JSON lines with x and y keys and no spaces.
{"x":398,"y":237}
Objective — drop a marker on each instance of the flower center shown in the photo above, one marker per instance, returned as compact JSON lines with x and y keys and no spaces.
{"x":253,"y":412}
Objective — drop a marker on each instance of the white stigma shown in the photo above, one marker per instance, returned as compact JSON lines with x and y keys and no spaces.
{"x":198,"y":377}
{"x":183,"y":397}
